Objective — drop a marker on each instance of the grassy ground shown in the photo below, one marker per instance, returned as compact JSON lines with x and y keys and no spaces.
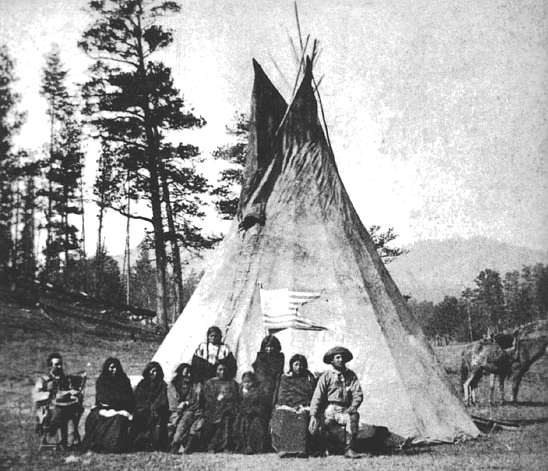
{"x":27,"y":336}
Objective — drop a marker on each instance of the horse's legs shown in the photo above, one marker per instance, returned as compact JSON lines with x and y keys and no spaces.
{"x":466,"y":391}
{"x":492,"y":378}
{"x":516,"y":381}
{"x":473,"y":394}
{"x":502,"y":378}
{"x":491,"y":388}
{"x":470,"y":386}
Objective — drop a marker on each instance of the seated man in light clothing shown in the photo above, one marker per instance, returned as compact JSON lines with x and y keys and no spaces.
{"x":337,"y":396}
{"x":55,"y":400}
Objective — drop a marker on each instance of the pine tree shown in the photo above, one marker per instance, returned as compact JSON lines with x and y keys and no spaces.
{"x":26,"y":257}
{"x":10,"y":122}
{"x":143,"y":294}
{"x":231,"y":178}
{"x":490,"y":298}
{"x":63,"y":169}
{"x":111,"y":287}
{"x":512,"y":298}
{"x":134,"y":105}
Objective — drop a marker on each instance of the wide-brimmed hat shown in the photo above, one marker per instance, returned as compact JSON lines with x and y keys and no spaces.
{"x":346,"y":354}
{"x":65,"y":399}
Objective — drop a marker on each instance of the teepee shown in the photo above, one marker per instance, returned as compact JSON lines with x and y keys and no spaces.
{"x":298,"y":239}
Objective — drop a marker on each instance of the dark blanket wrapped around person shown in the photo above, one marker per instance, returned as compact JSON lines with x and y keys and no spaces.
{"x":149,"y":428}
{"x":107,"y":425}
{"x":268,"y":366}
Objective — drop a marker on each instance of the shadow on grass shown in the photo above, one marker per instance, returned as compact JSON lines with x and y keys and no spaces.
{"x":543,"y":420}
{"x":413,"y":451}
{"x":529,"y":404}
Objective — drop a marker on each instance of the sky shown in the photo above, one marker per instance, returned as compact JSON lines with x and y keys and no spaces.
{"x":437,"y":109}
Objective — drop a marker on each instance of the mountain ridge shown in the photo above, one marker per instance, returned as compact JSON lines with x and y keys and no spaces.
{"x":432,"y":269}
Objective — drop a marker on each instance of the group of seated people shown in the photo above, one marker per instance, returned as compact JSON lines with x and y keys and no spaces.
{"x":204,"y":409}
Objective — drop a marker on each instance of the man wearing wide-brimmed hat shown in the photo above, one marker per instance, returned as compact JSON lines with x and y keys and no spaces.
{"x":339,"y":391}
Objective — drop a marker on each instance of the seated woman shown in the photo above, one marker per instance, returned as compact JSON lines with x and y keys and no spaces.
{"x":289,"y":422}
{"x":268,"y":366}
{"x":149,"y":429}
{"x":107,"y":426}
{"x":208,"y":355}
{"x":186,"y":405}
{"x":252,"y":417}
{"x":221,"y":405}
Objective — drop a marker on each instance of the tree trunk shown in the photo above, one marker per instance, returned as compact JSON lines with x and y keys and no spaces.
{"x":159,"y":245}
{"x":5,"y":229}
{"x":49,"y":222}
{"x":27,"y":245}
{"x":175,"y":253}
{"x":127,"y":261}
{"x":155,"y":196}
{"x":66,"y":236}
{"x":99,"y":252}
{"x":49,"y":215}
{"x":15,"y":238}
{"x":84,"y":284}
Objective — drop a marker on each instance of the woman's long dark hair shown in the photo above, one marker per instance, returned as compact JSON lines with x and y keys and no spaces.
{"x":115,"y":391}
{"x":112,"y":361}
{"x":149,"y":367}
{"x":178,"y":377}
{"x":271,"y":341}
{"x":302,"y":359}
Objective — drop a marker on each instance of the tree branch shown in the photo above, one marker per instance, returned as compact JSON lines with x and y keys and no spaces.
{"x":124,"y":141}
{"x":126,"y":214}
{"x":107,"y":58}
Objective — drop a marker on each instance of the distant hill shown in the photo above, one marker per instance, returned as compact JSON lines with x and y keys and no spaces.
{"x":435,"y":268}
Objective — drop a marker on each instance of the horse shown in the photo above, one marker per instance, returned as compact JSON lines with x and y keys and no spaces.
{"x":505,"y":356}
{"x":485,"y":357}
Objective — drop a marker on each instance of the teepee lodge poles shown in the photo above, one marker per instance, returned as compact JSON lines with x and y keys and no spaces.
{"x":313,"y":57}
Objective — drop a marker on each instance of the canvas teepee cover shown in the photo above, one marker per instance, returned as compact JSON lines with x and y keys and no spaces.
{"x":299,"y":231}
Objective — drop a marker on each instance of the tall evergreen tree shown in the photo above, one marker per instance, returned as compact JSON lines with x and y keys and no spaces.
{"x":231,"y":178}
{"x":10,"y":122}
{"x":490,"y":298}
{"x":512,"y":296}
{"x":63,"y":169}
{"x":527,"y":293}
{"x":26,"y":257}
{"x":111,"y":286}
{"x":143,"y":293}
{"x":134,"y":105}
